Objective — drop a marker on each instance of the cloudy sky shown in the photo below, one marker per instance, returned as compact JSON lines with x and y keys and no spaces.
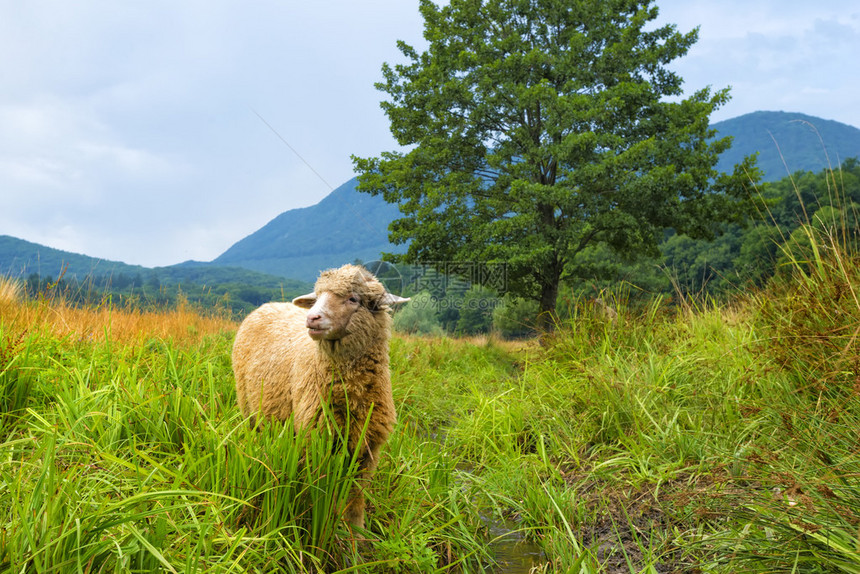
{"x":153,"y":132}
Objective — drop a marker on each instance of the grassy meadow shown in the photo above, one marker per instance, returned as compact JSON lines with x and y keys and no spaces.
{"x":696,"y":437}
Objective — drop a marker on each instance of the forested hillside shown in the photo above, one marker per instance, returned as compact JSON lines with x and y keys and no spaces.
{"x":21,"y":258}
{"x":82,"y":279}
{"x":750,"y":254}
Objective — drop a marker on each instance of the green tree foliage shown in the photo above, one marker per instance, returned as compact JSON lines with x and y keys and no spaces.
{"x":418,"y":316}
{"x":537,"y":129}
{"x":515,"y":317}
{"x":828,"y":201}
{"x":476,"y":310}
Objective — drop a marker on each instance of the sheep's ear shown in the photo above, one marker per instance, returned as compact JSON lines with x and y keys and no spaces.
{"x":305,"y":301}
{"x":392,"y":300}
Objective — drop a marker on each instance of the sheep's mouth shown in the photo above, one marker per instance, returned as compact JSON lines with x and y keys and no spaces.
{"x":316,"y":333}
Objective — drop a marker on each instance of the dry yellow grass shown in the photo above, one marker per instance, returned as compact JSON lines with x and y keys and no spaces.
{"x":10,"y":294}
{"x":126,"y":326}
{"x":483,"y":340}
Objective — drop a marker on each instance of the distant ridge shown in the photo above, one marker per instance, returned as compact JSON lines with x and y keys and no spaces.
{"x":788,"y":142}
{"x":19,"y":258}
{"x":346,"y":225}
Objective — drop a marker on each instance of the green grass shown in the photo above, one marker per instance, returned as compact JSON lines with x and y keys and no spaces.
{"x":134,"y":458}
{"x":711,"y":437}
{"x":706,"y":438}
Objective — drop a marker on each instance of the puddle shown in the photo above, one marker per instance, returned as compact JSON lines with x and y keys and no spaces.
{"x":510,"y":549}
{"x":512,"y":552}
{"x":514,"y":555}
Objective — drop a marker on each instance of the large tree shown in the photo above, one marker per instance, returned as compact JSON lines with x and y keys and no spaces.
{"x":537,"y":128}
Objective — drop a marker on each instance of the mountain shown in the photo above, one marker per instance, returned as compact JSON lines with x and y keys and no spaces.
{"x":346,"y":225}
{"x":805,"y":143}
{"x":19,"y":258}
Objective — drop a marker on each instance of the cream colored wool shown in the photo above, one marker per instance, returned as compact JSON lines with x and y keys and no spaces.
{"x":281,"y":371}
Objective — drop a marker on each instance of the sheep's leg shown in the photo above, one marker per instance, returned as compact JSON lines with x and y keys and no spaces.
{"x":354,"y":511}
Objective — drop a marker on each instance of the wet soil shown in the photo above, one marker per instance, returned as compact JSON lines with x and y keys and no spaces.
{"x":626,"y":530}
{"x":629,"y":528}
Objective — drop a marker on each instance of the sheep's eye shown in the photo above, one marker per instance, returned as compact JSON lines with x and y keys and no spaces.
{"x":353,"y":299}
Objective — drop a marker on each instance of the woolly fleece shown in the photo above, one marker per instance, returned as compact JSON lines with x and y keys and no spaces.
{"x":280,"y":371}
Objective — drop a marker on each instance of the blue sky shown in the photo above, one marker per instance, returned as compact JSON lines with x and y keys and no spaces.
{"x":132,"y":131}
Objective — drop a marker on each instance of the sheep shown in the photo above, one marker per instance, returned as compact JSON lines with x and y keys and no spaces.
{"x":329,"y":345}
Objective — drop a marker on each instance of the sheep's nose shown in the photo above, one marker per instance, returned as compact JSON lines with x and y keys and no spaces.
{"x":312,"y":319}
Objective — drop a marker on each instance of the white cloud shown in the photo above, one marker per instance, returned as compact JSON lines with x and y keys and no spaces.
{"x":775,"y":55}
{"x":128,"y":162}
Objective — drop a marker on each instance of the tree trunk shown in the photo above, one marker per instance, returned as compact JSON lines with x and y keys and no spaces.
{"x":550,"y":275}
{"x":547,"y":316}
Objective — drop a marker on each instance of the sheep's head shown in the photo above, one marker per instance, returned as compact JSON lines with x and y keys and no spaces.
{"x":347,"y":301}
